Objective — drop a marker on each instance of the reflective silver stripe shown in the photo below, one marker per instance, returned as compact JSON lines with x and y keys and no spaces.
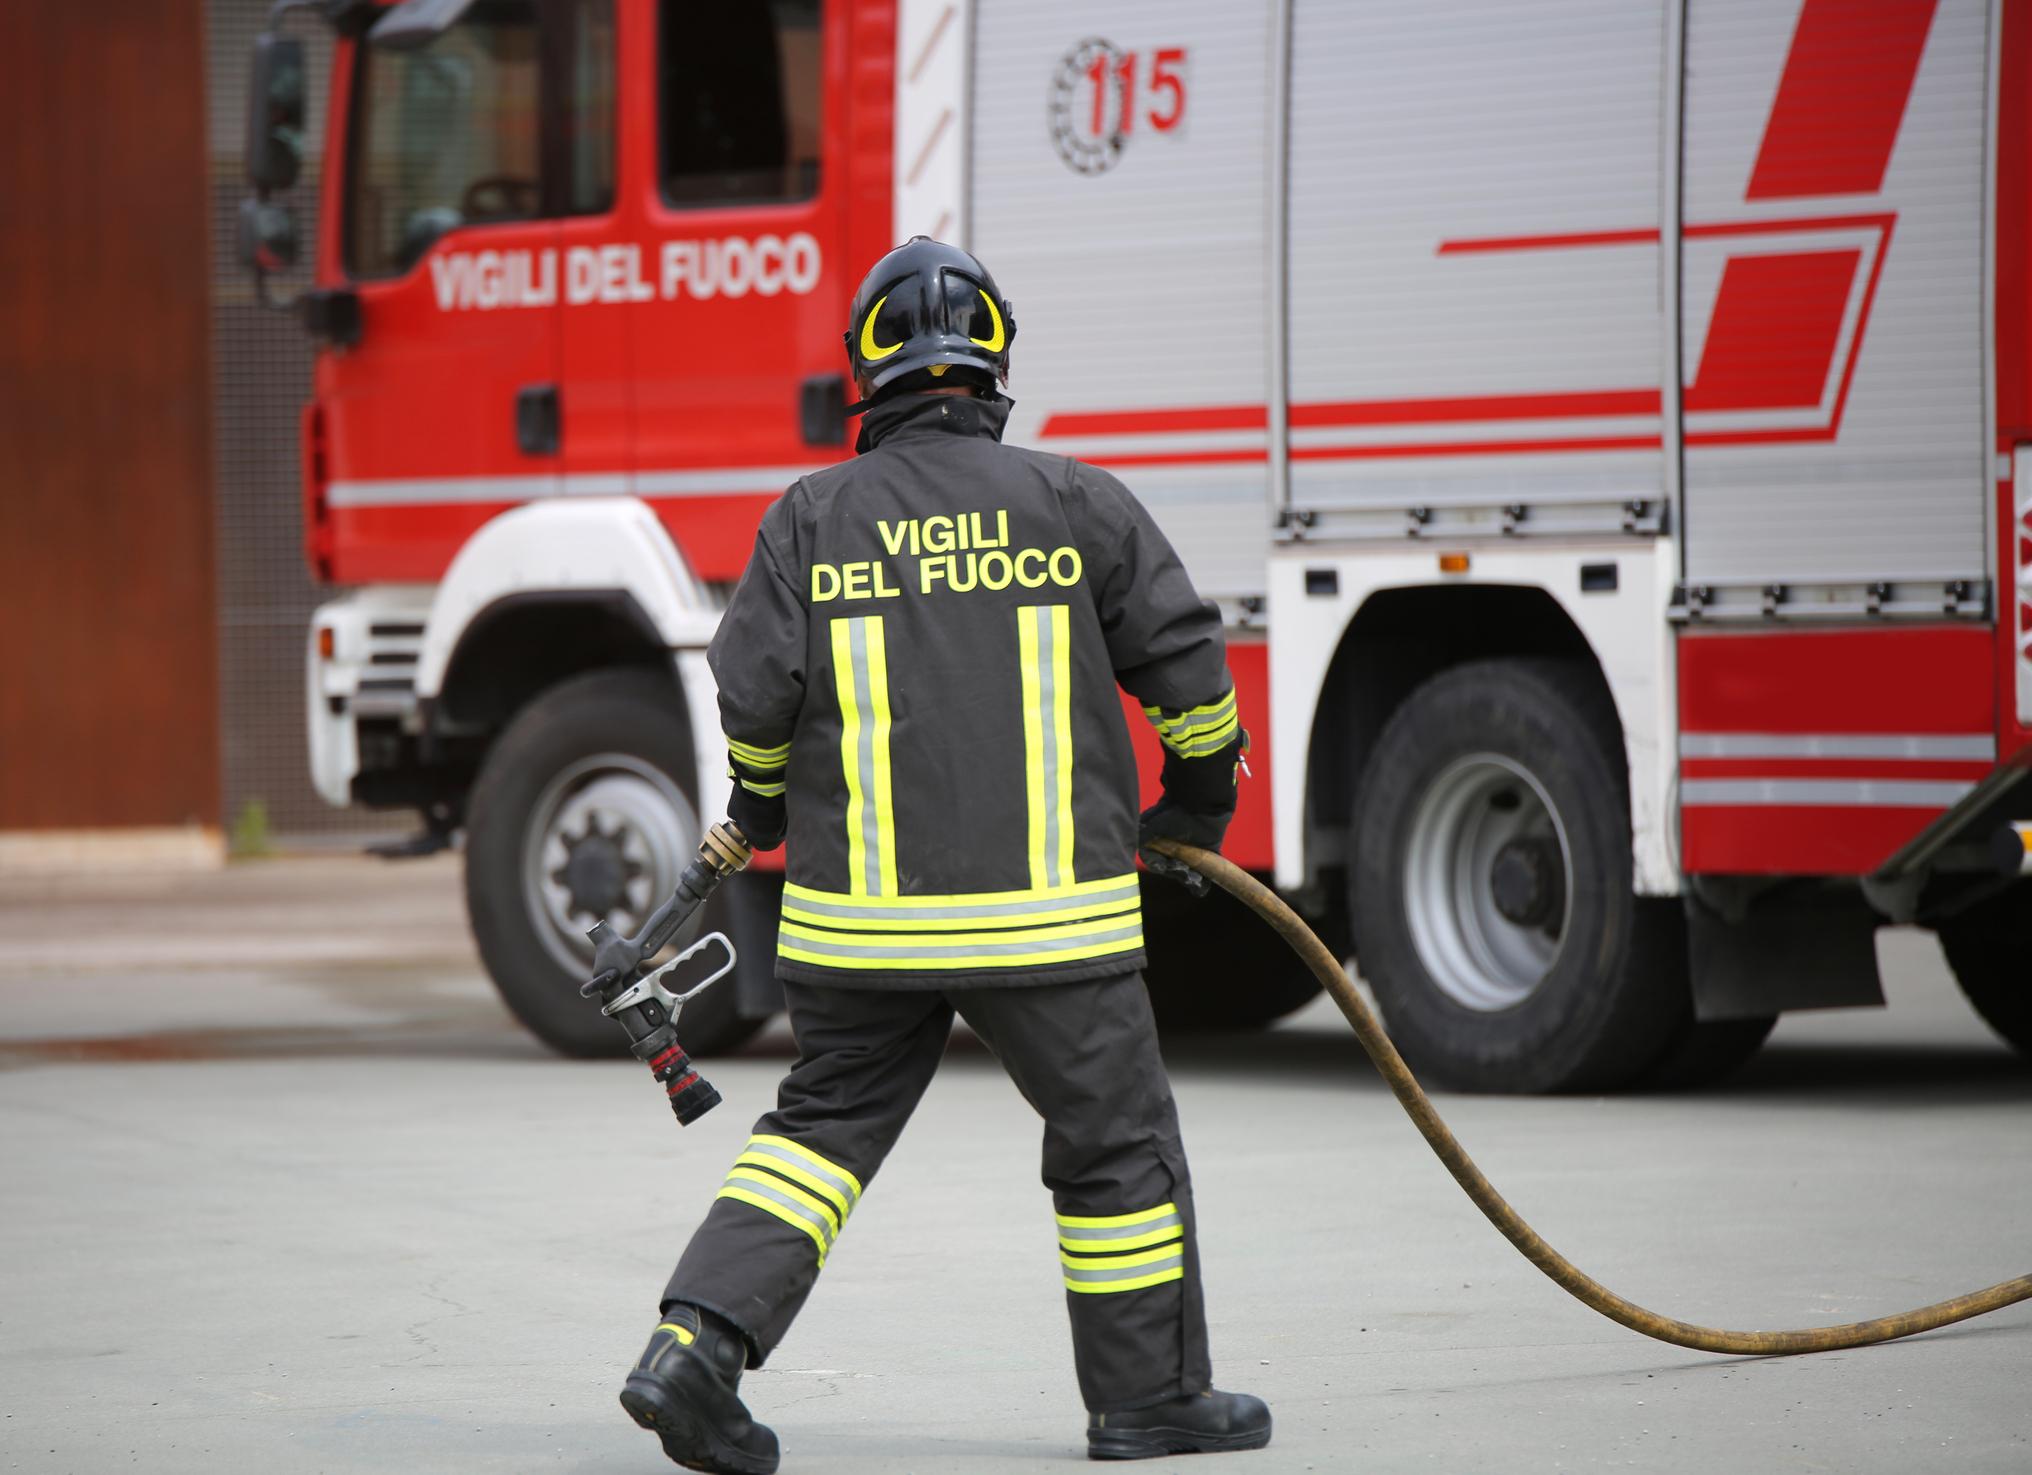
{"x":1914,"y":746}
{"x":1822,"y":793}
{"x":796,"y":1206}
{"x":397,"y":493}
{"x":877,"y":946}
{"x":1049,"y":633}
{"x":846,"y":1190}
{"x":1121,"y":1231}
{"x":1126,"y":1272}
{"x":708,"y":481}
{"x":1126,"y":893}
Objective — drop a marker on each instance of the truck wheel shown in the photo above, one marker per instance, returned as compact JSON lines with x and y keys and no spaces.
{"x":1490,"y":890}
{"x":1989,"y":947}
{"x":584,"y":809}
{"x":1213,"y":964}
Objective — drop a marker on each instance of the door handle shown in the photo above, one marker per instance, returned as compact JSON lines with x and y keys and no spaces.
{"x":538,"y":422}
{"x":822,"y":410}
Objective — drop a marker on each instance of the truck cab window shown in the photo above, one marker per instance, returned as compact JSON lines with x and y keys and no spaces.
{"x":454,"y":133}
{"x":740,"y":101}
{"x":589,"y":107}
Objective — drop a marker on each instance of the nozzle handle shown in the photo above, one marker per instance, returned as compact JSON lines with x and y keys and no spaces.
{"x":618,"y":959}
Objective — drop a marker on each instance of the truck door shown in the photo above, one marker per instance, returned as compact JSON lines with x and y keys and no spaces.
{"x":748,"y":290}
{"x":444,"y":220}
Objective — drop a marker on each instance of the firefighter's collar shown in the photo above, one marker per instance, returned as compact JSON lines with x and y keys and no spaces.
{"x":930,"y":414}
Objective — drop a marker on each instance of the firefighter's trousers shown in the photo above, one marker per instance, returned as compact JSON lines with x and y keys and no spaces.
{"x":1085,"y":1056}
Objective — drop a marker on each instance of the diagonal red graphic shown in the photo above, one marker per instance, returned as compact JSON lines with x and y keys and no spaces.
{"x":1771,"y":339}
{"x":1841,"y":98}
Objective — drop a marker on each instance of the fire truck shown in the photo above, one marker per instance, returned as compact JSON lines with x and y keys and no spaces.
{"x":1603,"y":423}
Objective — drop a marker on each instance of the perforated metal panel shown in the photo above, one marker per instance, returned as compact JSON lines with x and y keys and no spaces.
{"x":261,"y":377}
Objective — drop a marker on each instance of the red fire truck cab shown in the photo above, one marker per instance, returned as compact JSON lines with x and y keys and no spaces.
{"x":1603,"y":423}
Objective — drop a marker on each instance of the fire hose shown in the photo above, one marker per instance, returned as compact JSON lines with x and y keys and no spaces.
{"x":648,"y":1011}
{"x":1563,"y":1273}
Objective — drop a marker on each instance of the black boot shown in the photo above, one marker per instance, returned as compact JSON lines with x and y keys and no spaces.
{"x":1199,"y":1423}
{"x":684,"y":1389}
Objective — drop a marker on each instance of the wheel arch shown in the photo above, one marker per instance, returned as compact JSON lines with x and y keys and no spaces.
{"x":605,"y":552}
{"x":549,"y":591}
{"x":524,"y":643}
{"x":1398,"y":639}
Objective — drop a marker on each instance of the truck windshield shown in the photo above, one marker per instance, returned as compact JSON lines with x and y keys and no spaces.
{"x":444,"y":136}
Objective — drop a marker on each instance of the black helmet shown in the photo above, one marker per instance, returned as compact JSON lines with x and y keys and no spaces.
{"x":923,"y":309}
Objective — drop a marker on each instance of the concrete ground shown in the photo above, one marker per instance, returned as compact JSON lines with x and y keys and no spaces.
{"x":286,"y":1190}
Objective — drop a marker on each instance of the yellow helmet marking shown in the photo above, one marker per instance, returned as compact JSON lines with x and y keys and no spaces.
{"x":870,"y":349}
{"x":993,"y":343}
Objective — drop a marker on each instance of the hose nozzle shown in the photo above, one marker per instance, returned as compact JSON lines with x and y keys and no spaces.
{"x":643,"y":1006}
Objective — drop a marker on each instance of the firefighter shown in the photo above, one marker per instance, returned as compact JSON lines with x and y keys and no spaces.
{"x":917,"y":678}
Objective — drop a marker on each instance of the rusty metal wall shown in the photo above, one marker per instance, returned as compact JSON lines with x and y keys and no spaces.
{"x":107,"y":696}
{"x":261,"y":377}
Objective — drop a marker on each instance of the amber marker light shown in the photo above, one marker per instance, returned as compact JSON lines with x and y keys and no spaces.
{"x":324,"y":642}
{"x":1453,"y":563}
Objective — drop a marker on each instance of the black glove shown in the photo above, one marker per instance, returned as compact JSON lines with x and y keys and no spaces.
{"x":761,"y":821}
{"x":1198,"y":802}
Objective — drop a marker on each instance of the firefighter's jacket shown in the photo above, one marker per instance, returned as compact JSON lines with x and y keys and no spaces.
{"x":923,"y":656}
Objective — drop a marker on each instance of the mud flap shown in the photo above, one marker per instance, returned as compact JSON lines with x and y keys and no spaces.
{"x":1802,"y":945}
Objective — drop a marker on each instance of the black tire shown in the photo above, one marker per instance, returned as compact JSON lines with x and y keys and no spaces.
{"x":1708,"y":1051}
{"x":1586,"y":985}
{"x":1213,"y":965}
{"x":1989,"y":947}
{"x":637,"y":716}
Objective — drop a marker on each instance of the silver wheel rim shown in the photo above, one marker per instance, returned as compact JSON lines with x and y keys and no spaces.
{"x":606,"y":840}
{"x":1487,"y":938}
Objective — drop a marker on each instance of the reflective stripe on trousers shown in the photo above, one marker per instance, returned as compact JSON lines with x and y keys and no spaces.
{"x":1122,"y":1252}
{"x":789,"y":1181}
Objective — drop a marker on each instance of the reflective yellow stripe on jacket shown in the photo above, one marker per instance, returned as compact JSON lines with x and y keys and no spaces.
{"x":1000,"y":929}
{"x":1197,"y":731}
{"x":760,"y":770}
{"x":861,"y":677}
{"x":1045,"y":636}
{"x":1057,"y":919}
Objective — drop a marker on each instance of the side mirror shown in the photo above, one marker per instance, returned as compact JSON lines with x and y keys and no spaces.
{"x":267,"y":236}
{"x":275,"y":113}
